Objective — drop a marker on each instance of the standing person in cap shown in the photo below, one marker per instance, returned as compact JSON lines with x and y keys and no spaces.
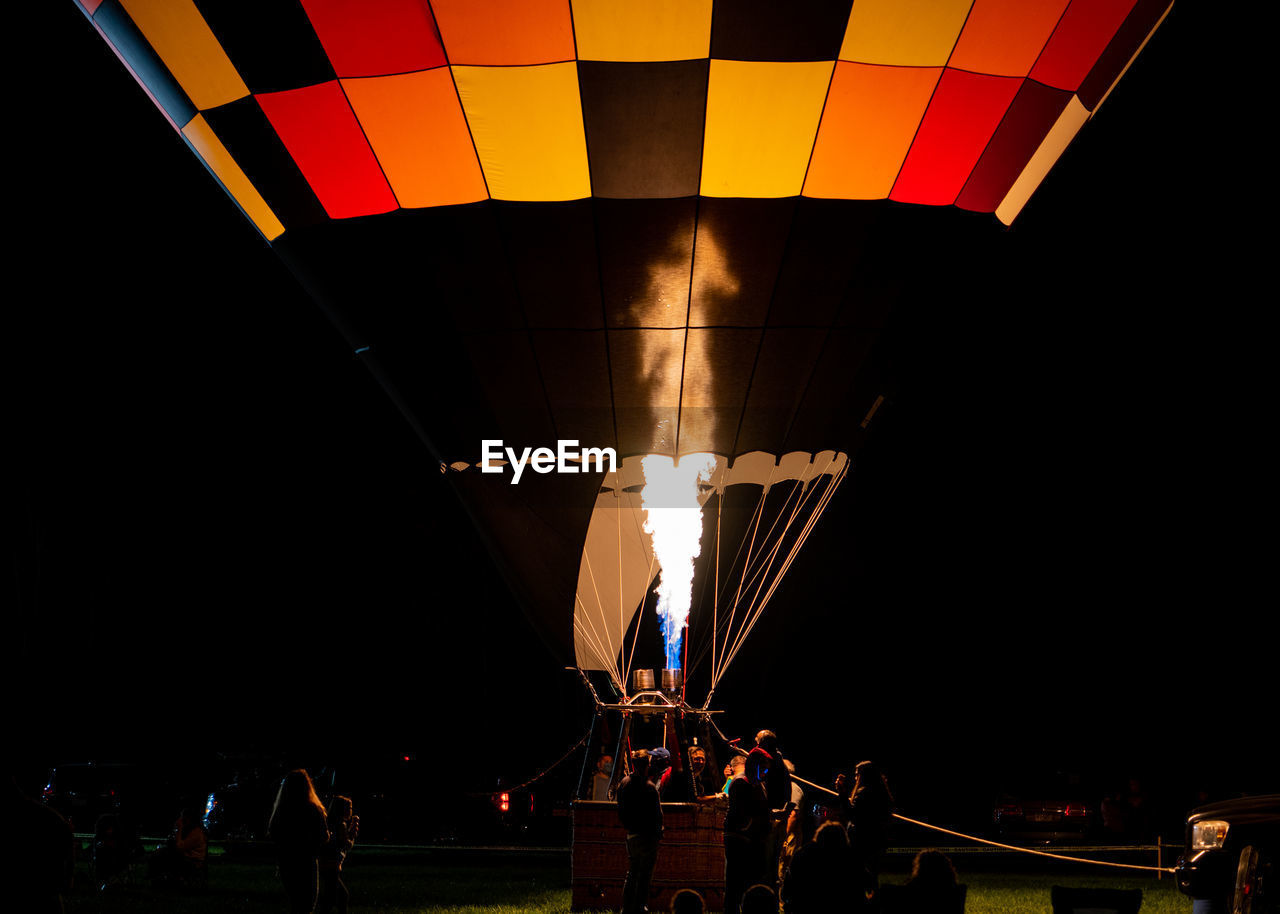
{"x":778,"y":784}
{"x":777,"y":787}
{"x":746,"y":831}
{"x":640,"y":810}
{"x":660,"y":769}
{"x":870,"y":810}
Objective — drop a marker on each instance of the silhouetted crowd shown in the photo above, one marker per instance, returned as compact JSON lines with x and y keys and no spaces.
{"x":778,"y":855}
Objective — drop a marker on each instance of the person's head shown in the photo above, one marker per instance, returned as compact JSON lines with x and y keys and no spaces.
{"x":757,"y":765}
{"x":604,"y":764}
{"x":735,"y":766}
{"x":831,"y":836}
{"x":640,"y":764}
{"x":295,"y":794}
{"x":768,"y":741}
{"x":843,"y":785}
{"x":760,"y":899}
{"x":697,"y":760}
{"x":659,"y":760}
{"x":339,"y":809}
{"x":867,"y":776}
{"x":687,"y":901}
{"x":933,"y":867}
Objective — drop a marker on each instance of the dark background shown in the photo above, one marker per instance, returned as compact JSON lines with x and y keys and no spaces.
{"x":1052,"y":552}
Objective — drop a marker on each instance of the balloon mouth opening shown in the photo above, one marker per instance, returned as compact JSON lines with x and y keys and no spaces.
{"x":779,"y":496}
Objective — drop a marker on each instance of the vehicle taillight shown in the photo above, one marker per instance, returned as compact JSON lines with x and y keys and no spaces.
{"x":1075,"y":809}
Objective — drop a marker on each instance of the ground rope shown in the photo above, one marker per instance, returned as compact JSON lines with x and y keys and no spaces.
{"x":1010,"y":847}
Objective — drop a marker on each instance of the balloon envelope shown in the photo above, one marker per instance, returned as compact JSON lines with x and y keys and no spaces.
{"x":663,"y":227}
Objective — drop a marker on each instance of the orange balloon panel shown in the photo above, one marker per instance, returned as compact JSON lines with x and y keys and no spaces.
{"x":871,"y":118}
{"x":414,"y":123}
{"x":505,"y":32}
{"x":1004,"y":37}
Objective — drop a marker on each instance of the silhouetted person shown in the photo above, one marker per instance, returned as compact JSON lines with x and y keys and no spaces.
{"x":791,"y":845}
{"x":687,"y":901}
{"x":777,"y":787}
{"x":932,"y":888}
{"x":115,"y":847}
{"x":746,"y":830}
{"x":700,"y":775}
{"x":837,"y":807}
{"x":822,"y":879}
{"x":299,"y":829}
{"x":797,"y":792}
{"x":38,"y":854}
{"x":344,"y":825}
{"x":182,"y":856}
{"x":640,"y":811}
{"x":733,"y":769}
{"x":661,"y":769}
{"x":778,"y":784}
{"x":760,"y":899}
{"x":870,"y":811}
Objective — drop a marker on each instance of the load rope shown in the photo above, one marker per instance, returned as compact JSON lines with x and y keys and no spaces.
{"x":545,"y":771}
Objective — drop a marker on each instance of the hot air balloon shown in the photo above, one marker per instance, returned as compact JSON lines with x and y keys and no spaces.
{"x":669,"y":228}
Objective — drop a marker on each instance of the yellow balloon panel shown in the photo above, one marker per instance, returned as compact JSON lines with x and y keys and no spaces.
{"x":215,"y":155}
{"x":871,"y":117}
{"x":904,"y":33}
{"x":761,"y":122}
{"x":527,"y":127}
{"x":178,"y":34}
{"x":643,"y":30}
{"x":415,"y":125}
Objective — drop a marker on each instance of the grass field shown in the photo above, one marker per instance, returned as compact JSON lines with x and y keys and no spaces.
{"x":534,"y":887}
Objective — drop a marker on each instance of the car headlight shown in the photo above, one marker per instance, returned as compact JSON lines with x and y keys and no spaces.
{"x":1208,"y":834}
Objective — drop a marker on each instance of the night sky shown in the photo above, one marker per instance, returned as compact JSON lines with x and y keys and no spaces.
{"x":1053,"y":551}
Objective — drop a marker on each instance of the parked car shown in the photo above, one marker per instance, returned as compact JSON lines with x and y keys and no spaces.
{"x":240,"y":808}
{"x":82,"y":791}
{"x":1230,"y":853}
{"x":1052,"y":809}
